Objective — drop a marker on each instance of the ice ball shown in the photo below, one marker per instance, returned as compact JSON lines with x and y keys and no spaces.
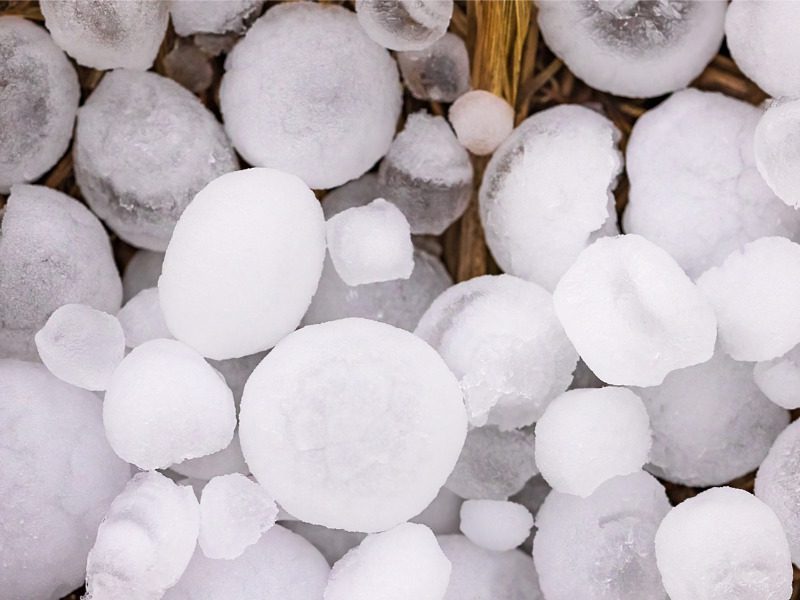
{"x":482,"y":121}
{"x":496,"y":525}
{"x":404,"y":24}
{"x":440,"y":72}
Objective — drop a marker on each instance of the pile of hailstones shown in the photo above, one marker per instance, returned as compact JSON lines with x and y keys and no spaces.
{"x":266,"y":359}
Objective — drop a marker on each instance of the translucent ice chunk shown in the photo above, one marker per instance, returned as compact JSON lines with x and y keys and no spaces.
{"x":142,"y":319}
{"x":439,"y":72}
{"x":212,"y":16}
{"x":779,"y":379}
{"x":141,"y":272}
{"x":496,"y":525}
{"x":482,"y":121}
{"x":777,"y":149}
{"x":404,"y":24}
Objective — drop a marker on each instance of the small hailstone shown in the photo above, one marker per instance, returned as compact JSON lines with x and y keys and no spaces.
{"x":141,"y":272}
{"x":442,"y":514}
{"x":482,"y":121}
{"x":142,"y":319}
{"x":249,"y":240}
{"x":779,"y":379}
{"x":496,"y":525}
{"x":777,"y":149}
{"x":404,"y":24}
{"x":724,"y":543}
{"x":547,"y":192}
{"x":332,"y":543}
{"x":202,"y":16}
{"x":439,"y":72}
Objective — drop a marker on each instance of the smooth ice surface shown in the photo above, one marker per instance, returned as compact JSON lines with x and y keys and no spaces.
{"x":352,"y":424}
{"x":439,"y":72}
{"x":602,"y":547}
{"x":309,"y":123}
{"x":442,"y":514}
{"x":777,"y":149}
{"x":404,"y":24}
{"x":779,"y":379}
{"x":212,"y":16}
{"x":482,"y":121}
{"x":50,"y":509}
{"x":631,"y":312}
{"x":547,"y":192}
{"x":332,"y":543}
{"x":141,"y":272}
{"x":496,"y":525}
{"x":250,"y":239}
{"x":142,"y":319}
{"x":723,"y":543}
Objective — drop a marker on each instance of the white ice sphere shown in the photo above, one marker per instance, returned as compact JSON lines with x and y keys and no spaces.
{"x":59,"y":476}
{"x":81,"y":345}
{"x":284,"y":102}
{"x":145,"y":540}
{"x":777,"y":149}
{"x":500,"y":336}
{"x":53,"y":251}
{"x":694,"y":187}
{"x":142,"y":319}
{"x":166,"y":404}
{"x":632,"y":313}
{"x":404,"y":24}
{"x":482,"y":121}
{"x":496,"y":525}
{"x":602,"y":547}
{"x":723,"y":543}
{"x":144,"y":146}
{"x":332,"y":543}
{"x":547,"y":192}
{"x":365,"y":423}
{"x":212,"y":16}
{"x":442,"y":514}
{"x":39,"y":98}
{"x":440,"y":72}
{"x":141,"y":272}
{"x":249,"y":240}
{"x":401,"y":563}
{"x":427,"y":174}
{"x":779,"y":379}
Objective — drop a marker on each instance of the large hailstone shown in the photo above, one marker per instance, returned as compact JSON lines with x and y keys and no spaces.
{"x":404,"y":24}
{"x":779,"y":379}
{"x":352,"y":424}
{"x":496,"y":525}
{"x":202,"y":16}
{"x":777,"y":149}
{"x":243,"y":263}
{"x":306,"y":91}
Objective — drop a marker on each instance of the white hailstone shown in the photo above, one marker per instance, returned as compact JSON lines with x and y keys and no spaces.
{"x":81,"y":345}
{"x":59,"y":476}
{"x":777,"y":149}
{"x":547,"y":192}
{"x":53,"y":251}
{"x":710,"y":423}
{"x":755,"y":293}
{"x":500,"y":336}
{"x":145,"y":540}
{"x":481,"y":120}
{"x":332,"y":543}
{"x":440,"y":72}
{"x":284,"y":104}
{"x":695,"y":190}
{"x":39,"y":97}
{"x":404,"y":24}
{"x":723,"y":543}
{"x":779,"y":379}
{"x":249,"y":240}
{"x":142,"y":319}
{"x":635,"y":48}
{"x":427,"y":174}
{"x":110,"y":34}
{"x":203,"y":16}
{"x":442,"y":515}
{"x":166,"y":404}
{"x":141,"y":272}
{"x":631,"y":312}
{"x":496,"y":525}
{"x":144,"y":146}
{"x":365,"y":423}
{"x":602,"y":547}
{"x":402,"y":563}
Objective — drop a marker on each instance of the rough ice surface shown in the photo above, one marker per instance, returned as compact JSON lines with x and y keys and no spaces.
{"x":144,"y":146}
{"x":500,"y":336}
{"x":496,"y":525}
{"x":81,"y":345}
{"x":602,"y":547}
{"x":724,"y":543}
{"x":310,"y":124}
{"x":779,"y":379}
{"x":427,"y":174}
{"x":404,"y":24}
{"x":250,"y":239}
{"x":141,"y":272}
{"x":755,"y":293}
{"x":547,"y":192}
{"x":332,"y":543}
{"x":635,"y":48}
{"x":212,"y":16}
{"x":440,"y":72}
{"x":694,"y":187}
{"x":777,"y":149}
{"x":145,"y":540}
{"x":481,"y":120}
{"x":39,"y":97}
{"x":53,"y":251}
{"x":166,"y":404}
{"x":365,"y":423}
{"x":110,"y":34}
{"x":710,"y":423}
{"x":442,"y":514}
{"x":142,"y":319}
{"x":49,"y":509}
{"x":631,"y":312}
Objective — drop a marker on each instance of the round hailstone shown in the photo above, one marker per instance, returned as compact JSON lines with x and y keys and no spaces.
{"x":332,"y":543}
{"x":249,"y":240}
{"x":442,"y":514}
{"x":307,"y":92}
{"x":141,"y":272}
{"x":39,"y":98}
{"x":500,"y":336}
{"x":166,"y":404}
{"x":440,"y":72}
{"x":547,"y":192}
{"x":193,"y":16}
{"x":724,"y":543}
{"x":631,"y":312}
{"x":496,"y":525}
{"x":602,"y":547}
{"x":142,"y":319}
{"x":777,"y":149}
{"x":404,"y":24}
{"x":482,"y":121}
{"x":352,"y":424}
{"x":779,"y":379}
{"x":59,"y":478}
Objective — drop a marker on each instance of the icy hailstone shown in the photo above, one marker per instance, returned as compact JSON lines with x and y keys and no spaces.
{"x":53,"y":251}
{"x":547,"y":194}
{"x":635,"y":48}
{"x":352,"y":424}
{"x":142,"y":319}
{"x":723,"y":543}
{"x":216,"y":16}
{"x":777,"y":149}
{"x":500,"y":336}
{"x":602,"y":547}
{"x":39,"y":98}
{"x":439,"y":72}
{"x":495,"y":524}
{"x":145,"y":541}
{"x":307,"y":92}
{"x":59,"y":477}
{"x":249,"y":240}
{"x":404,"y":24}
{"x":779,"y":379}
{"x":482,"y":121}
{"x":144,"y":146}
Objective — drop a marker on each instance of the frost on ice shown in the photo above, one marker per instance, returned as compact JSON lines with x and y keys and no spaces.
{"x":404,"y":24}
{"x":482,"y":121}
{"x":212,"y":16}
{"x":496,"y":525}
{"x":777,"y":149}
{"x":439,"y":72}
